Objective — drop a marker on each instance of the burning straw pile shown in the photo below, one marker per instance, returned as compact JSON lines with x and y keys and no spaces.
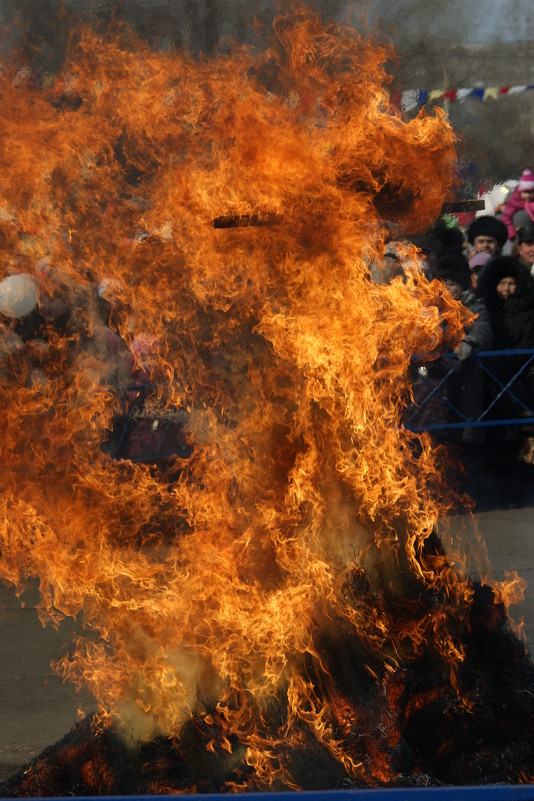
{"x":268,"y":606}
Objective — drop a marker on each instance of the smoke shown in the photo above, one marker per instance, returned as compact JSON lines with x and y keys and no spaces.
{"x":199,"y":25}
{"x":409,"y":22}
{"x":456,"y":44}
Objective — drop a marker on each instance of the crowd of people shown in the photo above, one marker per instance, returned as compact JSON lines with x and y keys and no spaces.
{"x":489,"y":267}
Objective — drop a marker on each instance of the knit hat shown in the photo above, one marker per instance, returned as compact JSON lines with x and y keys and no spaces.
{"x":477,"y":262}
{"x":526,"y":232}
{"x":526,"y":182}
{"x":453,"y":267}
{"x":488,"y":226}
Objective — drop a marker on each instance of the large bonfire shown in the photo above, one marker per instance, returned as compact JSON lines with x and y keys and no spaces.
{"x":205,"y":236}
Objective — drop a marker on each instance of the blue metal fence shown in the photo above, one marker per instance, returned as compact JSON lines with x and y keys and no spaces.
{"x":433,"y":409}
{"x":516,"y":792}
{"x":421,"y":417}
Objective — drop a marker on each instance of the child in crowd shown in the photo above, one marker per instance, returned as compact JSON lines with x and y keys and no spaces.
{"x":476,"y":263}
{"x":519,"y":208}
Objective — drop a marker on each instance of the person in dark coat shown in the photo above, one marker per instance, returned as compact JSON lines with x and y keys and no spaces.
{"x":465,"y":386}
{"x":525,"y":246}
{"x":507,"y":287}
{"x":455,"y":273}
{"x":508,"y":290}
{"x":438,"y":241}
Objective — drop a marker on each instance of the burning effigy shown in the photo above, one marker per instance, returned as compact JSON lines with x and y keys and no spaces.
{"x":203,"y":457}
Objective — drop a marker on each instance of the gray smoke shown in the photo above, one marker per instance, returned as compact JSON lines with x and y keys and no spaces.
{"x":474,"y":43}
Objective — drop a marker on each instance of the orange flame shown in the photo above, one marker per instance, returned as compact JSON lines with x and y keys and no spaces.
{"x":214,"y":588}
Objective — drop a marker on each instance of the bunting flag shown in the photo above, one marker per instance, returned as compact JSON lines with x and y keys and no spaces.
{"x":410,"y":99}
{"x":405,"y":100}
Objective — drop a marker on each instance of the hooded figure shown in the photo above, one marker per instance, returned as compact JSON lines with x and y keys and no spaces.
{"x":508,"y":290}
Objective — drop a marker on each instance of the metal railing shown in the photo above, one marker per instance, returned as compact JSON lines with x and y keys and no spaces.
{"x":496,"y":390}
{"x":419,"y":416}
{"x":489,"y":792}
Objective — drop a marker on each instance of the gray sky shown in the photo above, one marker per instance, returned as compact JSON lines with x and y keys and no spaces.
{"x":470,"y":22}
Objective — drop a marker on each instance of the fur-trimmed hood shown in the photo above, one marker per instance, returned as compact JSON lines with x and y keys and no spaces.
{"x":512,"y":319}
{"x":495,"y":270}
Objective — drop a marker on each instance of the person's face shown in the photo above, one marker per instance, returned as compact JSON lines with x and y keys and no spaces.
{"x":526,"y":251}
{"x":527,"y":195}
{"x":485,"y":244}
{"x":506,"y":287}
{"x":454,"y":288}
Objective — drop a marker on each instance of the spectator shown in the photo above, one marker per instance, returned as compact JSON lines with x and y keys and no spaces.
{"x":487,"y":234}
{"x":454,"y":271}
{"x":525,"y":245}
{"x":437,"y":241}
{"x":508,"y":289}
{"x":519,"y":207}
{"x":476,"y":263}
{"x":464,"y":388}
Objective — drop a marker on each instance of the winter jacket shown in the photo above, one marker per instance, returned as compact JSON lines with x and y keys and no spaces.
{"x":512,"y":320}
{"x":479,"y":335}
{"x":512,"y":206}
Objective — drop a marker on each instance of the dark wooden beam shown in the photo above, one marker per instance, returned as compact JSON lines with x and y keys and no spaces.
{"x":464,"y":205}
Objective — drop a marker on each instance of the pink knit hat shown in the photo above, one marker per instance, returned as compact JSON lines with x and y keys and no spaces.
{"x":477,"y":261}
{"x":526,"y":182}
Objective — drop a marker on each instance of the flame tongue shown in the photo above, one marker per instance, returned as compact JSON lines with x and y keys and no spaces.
{"x":216,"y":587}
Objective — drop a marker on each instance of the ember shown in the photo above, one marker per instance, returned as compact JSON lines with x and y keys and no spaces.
{"x":265,"y":600}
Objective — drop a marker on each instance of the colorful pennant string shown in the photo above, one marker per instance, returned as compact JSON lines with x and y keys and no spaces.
{"x":410,"y":99}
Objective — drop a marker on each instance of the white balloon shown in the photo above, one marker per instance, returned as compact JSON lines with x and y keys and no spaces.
{"x":18,"y":295}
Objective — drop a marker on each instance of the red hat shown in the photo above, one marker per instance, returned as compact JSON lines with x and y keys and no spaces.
{"x":526,"y":182}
